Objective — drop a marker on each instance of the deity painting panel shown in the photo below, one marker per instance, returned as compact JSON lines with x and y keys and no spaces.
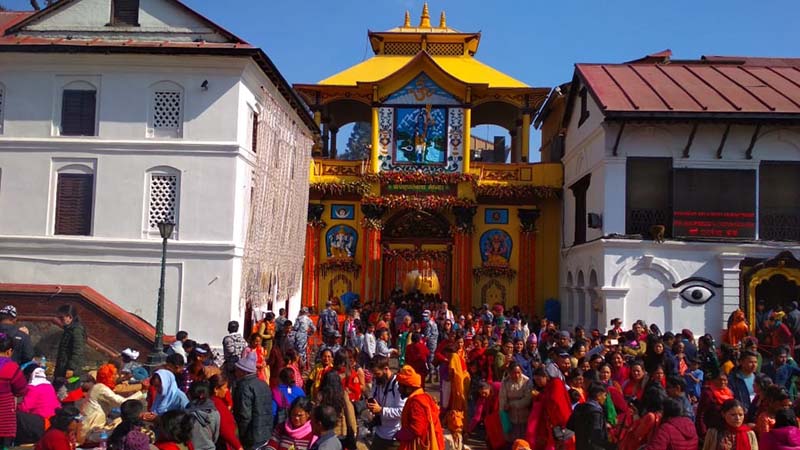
{"x":495,"y":248}
{"x":421,"y":91}
{"x":343,"y":212}
{"x":497,"y":216}
{"x":340,"y":241}
{"x":421,"y":135}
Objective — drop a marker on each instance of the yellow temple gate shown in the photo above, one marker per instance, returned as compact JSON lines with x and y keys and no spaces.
{"x":417,"y":213}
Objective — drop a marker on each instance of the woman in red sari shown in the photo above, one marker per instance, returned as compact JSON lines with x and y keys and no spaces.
{"x":619,"y":371}
{"x":636,"y":382}
{"x":539,"y":385}
{"x":556,"y":409}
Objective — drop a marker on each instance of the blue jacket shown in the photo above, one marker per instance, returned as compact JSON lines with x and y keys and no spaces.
{"x":739,"y":387}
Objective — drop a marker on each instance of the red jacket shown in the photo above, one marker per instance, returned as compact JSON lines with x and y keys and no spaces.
{"x":227,"y":426}
{"x":675,"y":433}
{"x":55,"y":439}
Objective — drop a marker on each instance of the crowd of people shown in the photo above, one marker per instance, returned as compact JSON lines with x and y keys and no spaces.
{"x":411,"y":373}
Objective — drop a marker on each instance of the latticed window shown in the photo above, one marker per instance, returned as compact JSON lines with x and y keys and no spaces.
{"x":445,"y":48}
{"x":167,"y":110}
{"x":163,"y":199}
{"x":402,"y":48}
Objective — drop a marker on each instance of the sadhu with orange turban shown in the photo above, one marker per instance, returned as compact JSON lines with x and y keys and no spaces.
{"x":420,"y":428}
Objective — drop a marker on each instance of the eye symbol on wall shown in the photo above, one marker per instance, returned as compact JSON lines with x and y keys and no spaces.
{"x":696,"y":290}
{"x":697,"y":294}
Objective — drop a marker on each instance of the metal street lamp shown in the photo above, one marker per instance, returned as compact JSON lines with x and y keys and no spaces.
{"x":158,"y":357}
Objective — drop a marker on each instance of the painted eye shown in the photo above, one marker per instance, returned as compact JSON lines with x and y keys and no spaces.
{"x":697,"y":294}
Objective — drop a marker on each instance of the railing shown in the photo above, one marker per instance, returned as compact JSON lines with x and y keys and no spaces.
{"x":640,"y":221}
{"x":779,"y":224}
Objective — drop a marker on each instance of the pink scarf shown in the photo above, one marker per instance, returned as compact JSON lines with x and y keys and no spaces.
{"x":298,"y":433}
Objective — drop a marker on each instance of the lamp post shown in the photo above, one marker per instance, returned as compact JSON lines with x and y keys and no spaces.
{"x":158,"y":357}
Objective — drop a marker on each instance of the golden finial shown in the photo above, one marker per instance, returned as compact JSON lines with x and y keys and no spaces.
{"x":442,"y":20}
{"x":425,"y":20}
{"x":407,"y":22}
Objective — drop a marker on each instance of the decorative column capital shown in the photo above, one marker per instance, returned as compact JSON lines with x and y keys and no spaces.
{"x":464,"y":216}
{"x":528,"y":218}
{"x":373,"y":215}
{"x":314,"y":217}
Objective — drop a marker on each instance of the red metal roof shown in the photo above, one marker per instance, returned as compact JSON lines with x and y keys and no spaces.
{"x":654,"y":85}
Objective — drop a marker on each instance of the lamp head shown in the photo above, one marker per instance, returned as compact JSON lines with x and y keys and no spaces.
{"x":165,"y":229}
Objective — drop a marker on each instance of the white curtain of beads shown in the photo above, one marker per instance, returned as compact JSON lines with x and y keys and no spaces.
{"x":275,"y":246}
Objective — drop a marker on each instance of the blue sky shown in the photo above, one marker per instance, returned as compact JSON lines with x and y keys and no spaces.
{"x":534,"y":41}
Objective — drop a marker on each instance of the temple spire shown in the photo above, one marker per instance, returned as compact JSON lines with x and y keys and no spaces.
{"x":442,"y":21}
{"x":407,"y":22}
{"x":425,"y":19}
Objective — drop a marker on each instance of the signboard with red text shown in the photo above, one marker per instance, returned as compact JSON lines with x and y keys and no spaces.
{"x":714,"y":203}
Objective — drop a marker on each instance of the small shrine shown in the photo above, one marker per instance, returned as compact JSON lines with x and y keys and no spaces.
{"x":422,"y":210}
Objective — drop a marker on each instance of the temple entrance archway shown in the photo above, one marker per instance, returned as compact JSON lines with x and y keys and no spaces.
{"x":776,"y":281}
{"x":417,"y":254}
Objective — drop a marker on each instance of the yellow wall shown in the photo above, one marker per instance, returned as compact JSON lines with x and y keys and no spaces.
{"x":547,"y":247}
{"x":325,"y":292}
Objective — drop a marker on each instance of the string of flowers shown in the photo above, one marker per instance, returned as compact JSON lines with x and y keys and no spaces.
{"x":416,"y":254}
{"x":317,"y":223}
{"x":494,"y":272}
{"x":514,"y":191}
{"x":427,"y":202}
{"x":339,"y":265}
{"x":357,"y":187}
{"x":372,"y":223}
{"x":385,"y":178}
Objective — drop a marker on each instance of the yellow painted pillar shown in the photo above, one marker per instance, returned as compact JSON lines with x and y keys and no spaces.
{"x":526,"y":137}
{"x":318,"y":117}
{"x":374,"y":163}
{"x":467,"y":135}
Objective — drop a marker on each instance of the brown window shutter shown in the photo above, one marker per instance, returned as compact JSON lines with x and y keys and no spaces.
{"x":77,"y":113}
{"x":254,"y":147}
{"x":74,"y":204}
{"x":125,"y":12}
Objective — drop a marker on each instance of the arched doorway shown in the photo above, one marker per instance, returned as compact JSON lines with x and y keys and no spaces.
{"x":417,"y":254}
{"x":776,"y":281}
{"x":777,"y":290}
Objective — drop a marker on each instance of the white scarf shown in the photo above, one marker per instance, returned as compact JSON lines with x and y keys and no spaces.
{"x":38,"y":377}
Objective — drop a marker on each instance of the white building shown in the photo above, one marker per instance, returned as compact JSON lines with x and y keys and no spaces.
{"x":706,"y":149}
{"x":118,"y":114}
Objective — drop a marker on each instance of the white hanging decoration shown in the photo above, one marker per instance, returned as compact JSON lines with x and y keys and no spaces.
{"x":275,"y":246}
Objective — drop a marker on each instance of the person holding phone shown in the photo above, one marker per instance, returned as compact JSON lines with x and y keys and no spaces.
{"x":386,"y":405}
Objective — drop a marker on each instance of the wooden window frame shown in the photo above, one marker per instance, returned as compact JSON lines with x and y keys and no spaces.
{"x":115,"y":20}
{"x":584,"y":96}
{"x":60,"y":228}
{"x":66,"y":116}
{"x":579,"y":191}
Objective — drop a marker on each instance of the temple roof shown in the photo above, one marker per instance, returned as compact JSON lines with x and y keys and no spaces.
{"x":450,"y":49}
{"x":465,"y":68}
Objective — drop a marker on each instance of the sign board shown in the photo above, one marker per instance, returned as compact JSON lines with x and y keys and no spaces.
{"x":419,"y":189}
{"x":714,"y":203}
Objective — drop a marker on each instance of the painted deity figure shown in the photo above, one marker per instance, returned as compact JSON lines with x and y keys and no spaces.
{"x":495,"y":251}
{"x":341,"y":244}
{"x":424,"y":122}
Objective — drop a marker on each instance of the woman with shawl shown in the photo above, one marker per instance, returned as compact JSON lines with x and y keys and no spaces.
{"x":714,"y":394}
{"x":459,"y":388}
{"x":41,"y":398}
{"x":169,"y":397}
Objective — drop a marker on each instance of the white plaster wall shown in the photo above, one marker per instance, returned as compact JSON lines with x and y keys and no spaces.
{"x":120,"y":260}
{"x":33,"y":84}
{"x":642,"y":273}
{"x":155,"y":16}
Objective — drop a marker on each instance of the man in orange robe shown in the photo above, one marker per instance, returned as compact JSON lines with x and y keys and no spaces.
{"x":420,"y":428}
